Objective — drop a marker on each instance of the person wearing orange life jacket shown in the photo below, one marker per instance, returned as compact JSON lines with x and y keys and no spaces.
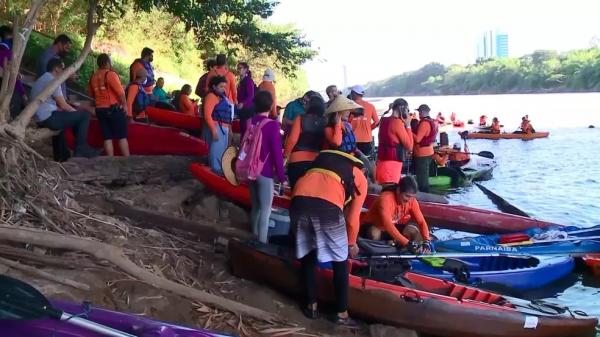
{"x":218,"y":115}
{"x":440,"y":119}
{"x":185,"y":105}
{"x":424,"y":138}
{"x":495,"y":128}
{"x":395,"y":142}
{"x":111,"y":105}
{"x":325,"y":210}
{"x":363,"y":123}
{"x":202,"y":85}
{"x":339,"y":134}
{"x":144,"y":62}
{"x":305,"y":140}
{"x":222,"y":70}
{"x":457,"y":157}
{"x":525,"y":126}
{"x":389,"y":218}
{"x":137,"y":99}
{"x":482,"y":120}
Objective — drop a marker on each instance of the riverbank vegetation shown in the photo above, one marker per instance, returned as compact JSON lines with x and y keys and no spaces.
{"x":540,"y":72}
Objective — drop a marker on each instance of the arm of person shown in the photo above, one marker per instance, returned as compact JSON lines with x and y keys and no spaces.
{"x":375,"y":118}
{"x":417,"y":215}
{"x":293,"y":137}
{"x":422,"y":132}
{"x":353,"y":211}
{"x":187,"y":107}
{"x":131,"y":93}
{"x":385,"y":210}
{"x":210,"y":101}
{"x":249,"y":93}
{"x":62,"y":104}
{"x":275,"y":149}
{"x":199,"y":88}
{"x":333,"y":135}
{"x":114,"y":83}
{"x":405,"y":136}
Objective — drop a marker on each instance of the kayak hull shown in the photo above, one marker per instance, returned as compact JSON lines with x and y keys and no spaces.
{"x":129,"y":323}
{"x":174,"y":119}
{"x":492,"y":243}
{"x":455,"y":217}
{"x":525,"y":136}
{"x":149,"y":140}
{"x":593,"y":261}
{"x":441,"y":311}
{"x":511,"y":271}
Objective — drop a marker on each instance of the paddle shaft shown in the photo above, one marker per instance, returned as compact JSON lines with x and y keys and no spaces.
{"x":93,"y":326}
{"x":576,"y":238}
{"x":443,"y":255}
{"x":502,"y":204}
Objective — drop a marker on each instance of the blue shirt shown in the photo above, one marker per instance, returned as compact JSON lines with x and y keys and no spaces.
{"x":160,"y":94}
{"x":49,"y":105}
{"x":294,"y":109}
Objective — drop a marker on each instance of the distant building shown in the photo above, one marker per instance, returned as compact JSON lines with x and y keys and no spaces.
{"x":492,"y":45}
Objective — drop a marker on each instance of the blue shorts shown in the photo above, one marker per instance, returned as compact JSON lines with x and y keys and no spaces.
{"x":113,"y":123}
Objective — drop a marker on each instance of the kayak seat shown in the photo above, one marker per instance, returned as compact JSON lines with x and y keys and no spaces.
{"x":458,"y":268}
{"x":374,"y":248}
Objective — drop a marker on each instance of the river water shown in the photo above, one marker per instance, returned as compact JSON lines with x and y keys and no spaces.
{"x":555,"y":178}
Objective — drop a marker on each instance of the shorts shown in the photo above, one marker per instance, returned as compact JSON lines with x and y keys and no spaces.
{"x":113,"y":123}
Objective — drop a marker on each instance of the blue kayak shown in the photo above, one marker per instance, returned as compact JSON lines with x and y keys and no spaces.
{"x":519,"y":272}
{"x":574,"y":243}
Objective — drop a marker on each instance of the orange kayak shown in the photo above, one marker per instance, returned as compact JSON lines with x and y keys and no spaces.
{"x":485,"y":135}
{"x":178,"y":120}
{"x":593,"y":261}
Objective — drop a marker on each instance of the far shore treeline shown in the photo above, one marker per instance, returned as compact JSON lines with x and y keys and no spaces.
{"x":543,"y":71}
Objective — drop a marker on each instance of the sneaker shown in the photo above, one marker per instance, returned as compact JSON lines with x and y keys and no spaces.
{"x":346,"y":322}
{"x":310,"y":313}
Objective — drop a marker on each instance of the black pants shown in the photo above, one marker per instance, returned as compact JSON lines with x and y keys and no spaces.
{"x":366,"y":148}
{"x":340,"y":281}
{"x":297,"y":170}
{"x":59,"y":120}
{"x":422,"y":165}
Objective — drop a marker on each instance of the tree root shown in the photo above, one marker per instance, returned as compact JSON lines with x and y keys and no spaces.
{"x":40,"y":273}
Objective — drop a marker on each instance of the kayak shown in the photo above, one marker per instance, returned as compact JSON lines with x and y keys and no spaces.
{"x":178,"y":120}
{"x":519,"y":272}
{"x":533,"y":241}
{"x":129,"y":323}
{"x":484,"y":135}
{"x":149,"y":140}
{"x":455,"y":217}
{"x":593,"y":261}
{"x":469,"y":174}
{"x":428,"y":305}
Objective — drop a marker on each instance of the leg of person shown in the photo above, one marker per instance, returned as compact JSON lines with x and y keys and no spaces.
{"x":60,"y":150}
{"x":265,"y":200}
{"x":103,"y":115}
{"x":422,"y":165}
{"x":340,"y":283}
{"x":217,"y":148}
{"x":118,"y":123}
{"x":365,"y":148}
{"x":309,"y":282}
{"x":373,"y":232}
{"x":255,"y":203}
{"x":411,"y":232}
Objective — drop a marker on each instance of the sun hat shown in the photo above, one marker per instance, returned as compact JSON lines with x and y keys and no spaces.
{"x":342,"y":104}
{"x":228,"y":165}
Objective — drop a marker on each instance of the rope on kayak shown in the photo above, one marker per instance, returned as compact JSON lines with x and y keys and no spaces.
{"x":87,"y":308}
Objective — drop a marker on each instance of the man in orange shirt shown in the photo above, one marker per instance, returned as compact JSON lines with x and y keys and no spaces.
{"x":111,"y":105}
{"x":425,"y":136}
{"x":324,"y":232}
{"x":391,"y":213}
{"x":145,"y":62}
{"x":267,"y":85}
{"x":221,"y":70}
{"x":364,"y":123}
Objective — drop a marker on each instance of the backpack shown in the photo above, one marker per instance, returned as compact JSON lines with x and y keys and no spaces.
{"x":249,"y":165}
{"x":141,"y":100}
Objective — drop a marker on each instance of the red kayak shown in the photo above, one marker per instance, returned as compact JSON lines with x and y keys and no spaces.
{"x":593,"y":261}
{"x":149,"y":140}
{"x":454,"y":217}
{"x":422,"y":303}
{"x":181,"y":121}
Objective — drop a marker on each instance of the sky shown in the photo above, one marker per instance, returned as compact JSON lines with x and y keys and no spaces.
{"x":376,"y":39}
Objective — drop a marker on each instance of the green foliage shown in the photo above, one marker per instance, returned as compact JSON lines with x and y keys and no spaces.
{"x":541,"y":71}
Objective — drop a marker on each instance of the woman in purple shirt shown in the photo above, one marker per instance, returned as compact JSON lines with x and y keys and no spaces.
{"x":271,"y":152}
{"x":245,"y":94}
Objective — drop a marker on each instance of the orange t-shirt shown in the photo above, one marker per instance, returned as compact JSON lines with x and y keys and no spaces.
{"x":422,"y":132}
{"x":268,"y":86}
{"x":292,"y":140}
{"x":210,"y":101}
{"x":132,"y":90}
{"x":324,"y":186}
{"x":363,"y":125}
{"x":230,"y":89}
{"x":333,"y":136}
{"x":385,"y":213}
{"x":105,"y":87}
{"x":186,"y":105}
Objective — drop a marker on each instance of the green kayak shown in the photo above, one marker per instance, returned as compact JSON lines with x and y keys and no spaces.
{"x":451,"y":178}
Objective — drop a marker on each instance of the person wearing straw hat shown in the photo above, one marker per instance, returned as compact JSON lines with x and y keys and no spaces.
{"x":338,"y":133}
{"x":324,"y":215}
{"x":395,"y":141}
{"x":267,"y":84}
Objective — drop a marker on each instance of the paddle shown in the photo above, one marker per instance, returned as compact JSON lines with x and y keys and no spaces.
{"x":442,"y":255}
{"x":502,"y":204}
{"x":530,"y":242}
{"x":484,"y":154}
{"x":19,"y":300}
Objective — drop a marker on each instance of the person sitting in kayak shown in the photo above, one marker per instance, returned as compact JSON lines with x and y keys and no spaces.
{"x":324,"y":211}
{"x":483,"y":120}
{"x":525,"y":126}
{"x":391,"y":213}
{"x":457,"y":157}
{"x":440,"y":119}
{"x":338,"y":133}
{"x":305,"y":140}
{"x":495,"y":128}
{"x":185,"y":105}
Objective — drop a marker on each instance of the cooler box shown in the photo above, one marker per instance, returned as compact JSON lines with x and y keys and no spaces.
{"x":279,"y":222}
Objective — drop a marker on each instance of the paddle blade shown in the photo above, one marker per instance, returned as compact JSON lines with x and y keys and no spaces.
{"x":19,"y":300}
{"x":486,"y":154}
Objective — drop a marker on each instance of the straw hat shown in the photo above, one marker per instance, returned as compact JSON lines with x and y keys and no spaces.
{"x":228,"y":165}
{"x":342,"y":104}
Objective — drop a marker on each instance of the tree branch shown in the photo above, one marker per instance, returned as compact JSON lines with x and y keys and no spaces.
{"x":26,"y":115}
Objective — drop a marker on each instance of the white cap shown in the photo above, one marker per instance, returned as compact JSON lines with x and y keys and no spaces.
{"x":269,"y":75}
{"x":359,"y":89}
{"x":456,"y":145}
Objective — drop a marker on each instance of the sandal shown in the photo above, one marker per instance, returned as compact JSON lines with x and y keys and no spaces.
{"x":347,"y":321}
